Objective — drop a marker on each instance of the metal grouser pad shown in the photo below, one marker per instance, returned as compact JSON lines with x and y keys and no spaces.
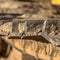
{"x":28,"y":29}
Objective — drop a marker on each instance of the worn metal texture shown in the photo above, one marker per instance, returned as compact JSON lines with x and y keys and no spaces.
{"x":31,"y":28}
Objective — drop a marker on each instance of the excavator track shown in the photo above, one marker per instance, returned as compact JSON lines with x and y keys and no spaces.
{"x":31,"y":27}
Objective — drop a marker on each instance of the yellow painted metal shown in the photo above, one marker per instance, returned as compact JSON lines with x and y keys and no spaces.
{"x":55,"y":2}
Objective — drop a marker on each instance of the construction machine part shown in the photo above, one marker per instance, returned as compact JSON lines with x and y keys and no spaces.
{"x":31,"y":29}
{"x":56,"y":5}
{"x":32,"y":32}
{"x":56,"y":2}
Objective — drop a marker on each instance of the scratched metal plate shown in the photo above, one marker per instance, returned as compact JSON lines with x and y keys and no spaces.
{"x":30,"y":27}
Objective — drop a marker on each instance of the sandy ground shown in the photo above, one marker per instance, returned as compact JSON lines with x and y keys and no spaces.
{"x":14,"y":55}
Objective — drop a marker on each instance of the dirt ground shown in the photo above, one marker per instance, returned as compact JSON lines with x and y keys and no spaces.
{"x":14,"y":55}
